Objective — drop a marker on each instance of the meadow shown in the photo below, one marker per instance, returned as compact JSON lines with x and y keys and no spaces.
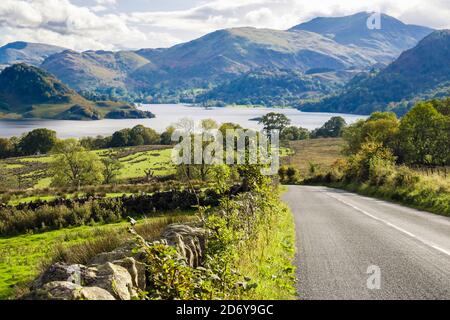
{"x":33,"y":172}
{"x":23,"y":257}
{"x":318,"y":153}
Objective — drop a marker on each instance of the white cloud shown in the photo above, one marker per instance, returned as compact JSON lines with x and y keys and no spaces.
{"x":103,"y":26}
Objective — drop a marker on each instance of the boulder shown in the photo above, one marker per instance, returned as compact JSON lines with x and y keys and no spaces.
{"x":189,"y":241}
{"x":136,"y":270}
{"x":57,"y":290}
{"x":95,"y":293}
{"x":74,"y":273}
{"x":64,"y":290}
{"x":116,"y":280}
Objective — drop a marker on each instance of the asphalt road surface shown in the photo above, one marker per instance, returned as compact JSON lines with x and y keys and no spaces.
{"x":354,"y":247}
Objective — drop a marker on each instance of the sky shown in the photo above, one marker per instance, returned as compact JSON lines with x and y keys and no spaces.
{"x":132,"y":24}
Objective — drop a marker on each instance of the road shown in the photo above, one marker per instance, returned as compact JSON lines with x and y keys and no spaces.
{"x":341,"y":234}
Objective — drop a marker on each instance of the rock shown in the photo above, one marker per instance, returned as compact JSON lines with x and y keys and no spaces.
{"x":57,"y":290}
{"x":118,"y":254}
{"x":95,"y":293}
{"x":136,"y":270}
{"x":190,"y":242}
{"x":75,"y":273}
{"x":64,"y":290}
{"x":116,"y":280}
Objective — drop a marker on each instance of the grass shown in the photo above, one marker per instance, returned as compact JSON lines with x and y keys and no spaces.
{"x":269,"y":260}
{"x":321,"y":152}
{"x":430,"y":194}
{"x":135,"y":160}
{"x":136,"y":164}
{"x":23,"y":257}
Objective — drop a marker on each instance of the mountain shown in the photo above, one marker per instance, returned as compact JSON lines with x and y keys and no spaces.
{"x":227,"y":54}
{"x":333,"y":47}
{"x":30,"y":92}
{"x":94,"y":69}
{"x":25,"y":52}
{"x":277,"y":87}
{"x":419,"y":73}
{"x":383,"y":44}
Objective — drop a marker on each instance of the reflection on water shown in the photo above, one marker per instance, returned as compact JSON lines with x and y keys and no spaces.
{"x":166,"y":114}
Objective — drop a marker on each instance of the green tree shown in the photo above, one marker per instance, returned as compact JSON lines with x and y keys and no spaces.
{"x":209,"y":124}
{"x":74,"y":166}
{"x":331,"y":129}
{"x":424,"y":136}
{"x":6,"y":148}
{"x":274,"y":121}
{"x":381,"y":127}
{"x":38,"y":141}
{"x":166,"y":136}
{"x":120,"y":138}
{"x":295,"y":134}
{"x":111,"y":168}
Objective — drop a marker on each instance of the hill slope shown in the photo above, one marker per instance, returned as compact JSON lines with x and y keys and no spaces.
{"x":336,"y":45}
{"x":29,"y":92}
{"x":94,"y":69}
{"x":25,"y":52}
{"x":277,"y":87}
{"x":383,"y":44}
{"x":419,"y":73}
{"x":228,"y":53}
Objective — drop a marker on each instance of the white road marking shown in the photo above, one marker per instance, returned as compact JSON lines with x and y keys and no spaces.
{"x":426,"y":242}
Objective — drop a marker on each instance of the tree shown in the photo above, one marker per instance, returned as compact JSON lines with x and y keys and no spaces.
{"x":166,"y":136}
{"x":424,"y":136}
{"x":140,"y":135}
{"x":111,"y":168}
{"x":295,"y":134}
{"x":381,"y":127}
{"x":120,"y":138}
{"x":209,"y":124}
{"x":333,"y":128}
{"x":74,"y":166}
{"x":274,"y":121}
{"x":38,"y":141}
{"x":6,"y":148}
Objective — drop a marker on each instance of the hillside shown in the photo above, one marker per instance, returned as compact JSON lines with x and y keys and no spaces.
{"x":94,"y":69}
{"x":25,"y":52}
{"x":225,"y":54}
{"x":330,"y":48}
{"x":383,"y":44}
{"x":277,"y":87}
{"x":29,"y":92}
{"x":420,"y":73}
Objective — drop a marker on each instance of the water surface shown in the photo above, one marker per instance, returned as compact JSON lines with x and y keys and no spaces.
{"x":166,"y":114}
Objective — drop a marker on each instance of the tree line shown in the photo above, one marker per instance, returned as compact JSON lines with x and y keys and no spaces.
{"x":42,"y":141}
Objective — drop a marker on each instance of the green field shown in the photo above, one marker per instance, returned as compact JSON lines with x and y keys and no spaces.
{"x":22,"y":257}
{"x":34,"y":171}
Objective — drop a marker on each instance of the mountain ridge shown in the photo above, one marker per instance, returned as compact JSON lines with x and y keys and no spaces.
{"x":422,"y":72}
{"x":29,"y":92}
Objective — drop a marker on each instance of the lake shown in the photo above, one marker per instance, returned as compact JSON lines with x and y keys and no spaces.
{"x":167,"y":114}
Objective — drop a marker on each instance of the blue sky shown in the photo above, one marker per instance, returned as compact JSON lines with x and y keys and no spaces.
{"x":132,"y":24}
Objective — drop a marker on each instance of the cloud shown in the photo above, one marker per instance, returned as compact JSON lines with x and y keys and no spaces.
{"x":104,"y":26}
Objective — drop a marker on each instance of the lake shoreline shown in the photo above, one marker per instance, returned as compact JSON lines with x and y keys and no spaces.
{"x":166,"y":115}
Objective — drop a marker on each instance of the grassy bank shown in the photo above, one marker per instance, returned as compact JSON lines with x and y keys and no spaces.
{"x":22,"y":257}
{"x":428,"y":195}
{"x":269,"y":259}
{"x":33,"y":172}
{"x":321,"y":153}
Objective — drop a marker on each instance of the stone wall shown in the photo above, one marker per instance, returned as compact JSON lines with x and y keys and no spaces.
{"x":117,"y":275}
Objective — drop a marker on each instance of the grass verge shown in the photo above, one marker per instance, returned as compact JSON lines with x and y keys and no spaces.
{"x":23,"y":257}
{"x":269,"y":259}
